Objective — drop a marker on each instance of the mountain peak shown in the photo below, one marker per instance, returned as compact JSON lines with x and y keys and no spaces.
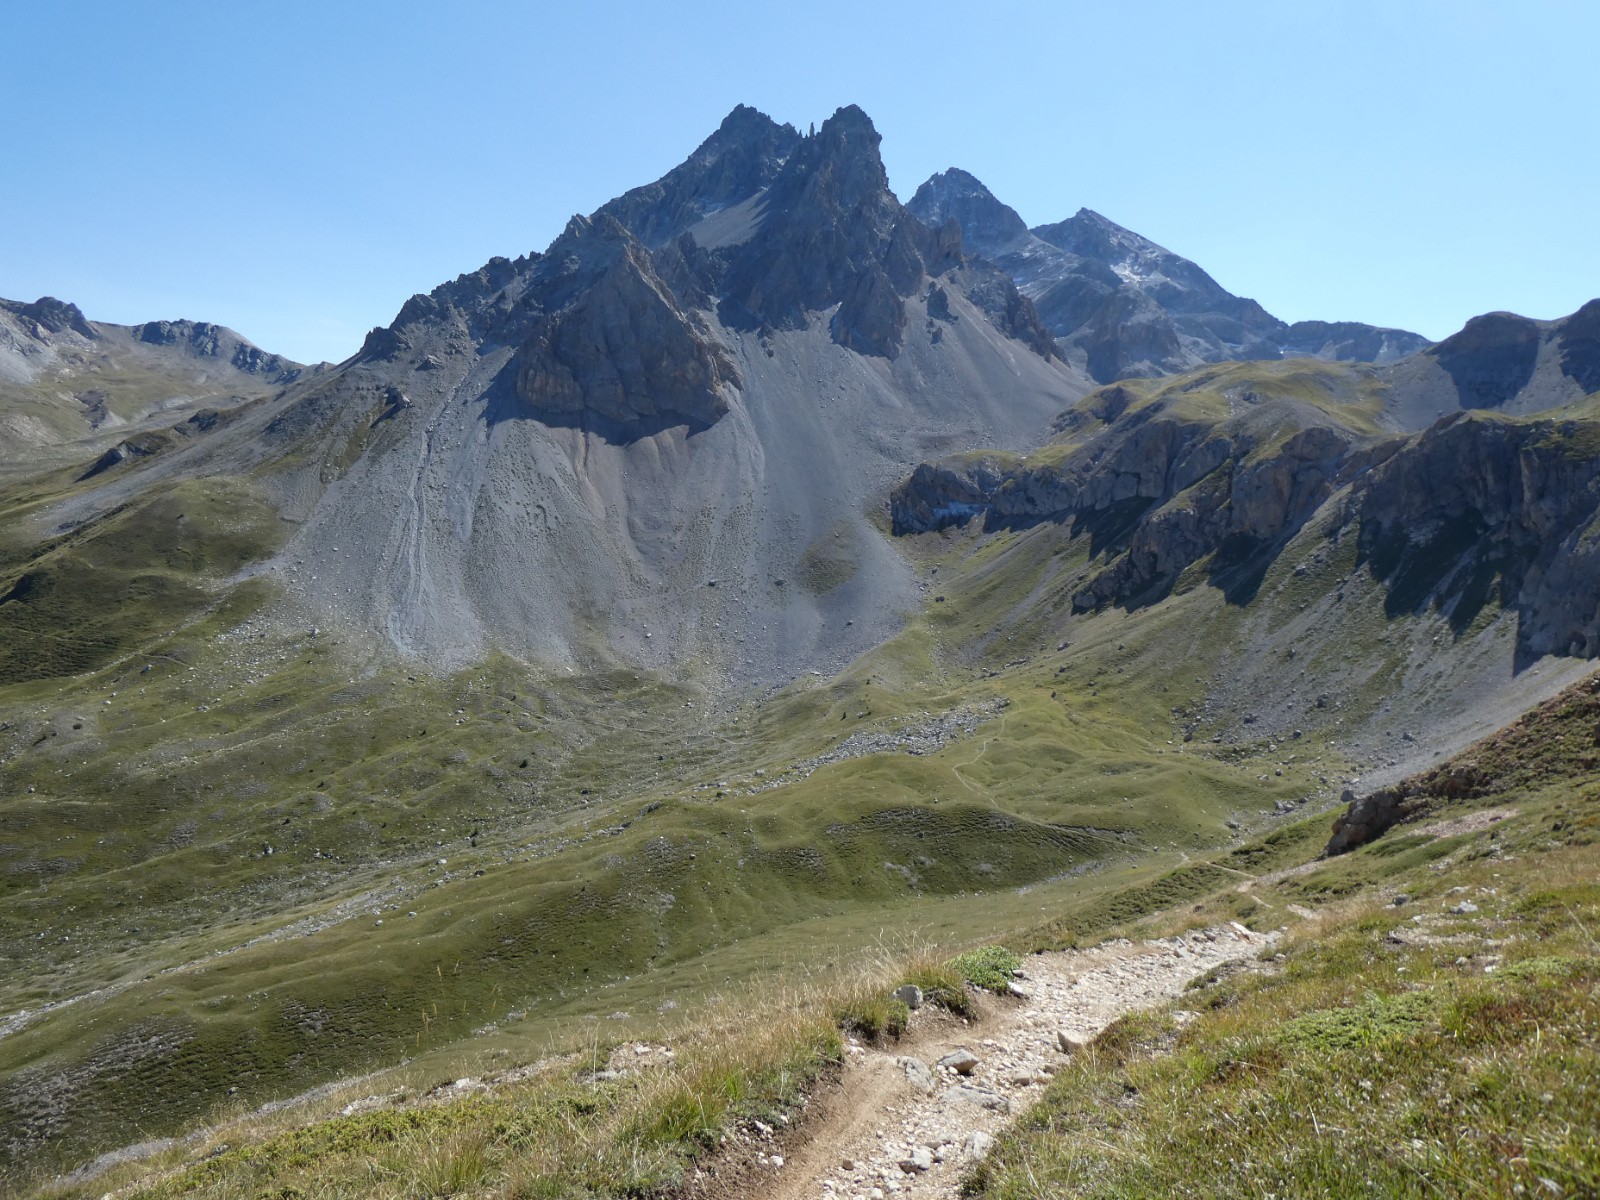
{"x":742,"y":157}
{"x":745,"y":119}
{"x":987,"y":225}
{"x":849,"y":119}
{"x":52,"y":315}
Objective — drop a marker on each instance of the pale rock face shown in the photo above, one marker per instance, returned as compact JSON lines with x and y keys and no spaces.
{"x":626,"y":351}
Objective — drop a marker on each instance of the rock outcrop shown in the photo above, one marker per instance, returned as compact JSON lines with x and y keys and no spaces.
{"x":625,"y":349}
{"x":1478,"y":510}
{"x":1475,"y":509}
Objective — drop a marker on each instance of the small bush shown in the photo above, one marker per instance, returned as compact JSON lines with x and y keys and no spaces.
{"x":988,"y":967}
{"x":873,"y":1016}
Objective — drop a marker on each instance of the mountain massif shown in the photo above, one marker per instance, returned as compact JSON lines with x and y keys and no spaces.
{"x":764,"y":565}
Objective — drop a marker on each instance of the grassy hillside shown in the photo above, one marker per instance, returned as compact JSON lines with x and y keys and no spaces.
{"x":244,"y":857}
{"x":1431,"y":1026}
{"x":1428,"y":1027}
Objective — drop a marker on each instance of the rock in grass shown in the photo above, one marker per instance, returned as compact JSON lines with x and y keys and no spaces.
{"x":962,"y":1061}
{"x":918,"y":1075}
{"x":1070,"y":1043}
{"x":910,"y":995}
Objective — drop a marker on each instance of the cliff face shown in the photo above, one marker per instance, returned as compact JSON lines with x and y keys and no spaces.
{"x":625,"y":349}
{"x":1476,"y":509}
{"x":1480,"y":509}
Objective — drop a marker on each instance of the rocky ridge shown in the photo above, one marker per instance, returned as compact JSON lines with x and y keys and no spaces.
{"x":621,"y":324}
{"x":69,"y":384}
{"x":48,"y":332}
{"x":1121,"y":306}
{"x":1474,"y":508}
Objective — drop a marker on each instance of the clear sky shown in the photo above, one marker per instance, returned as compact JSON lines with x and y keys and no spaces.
{"x":297,"y":169}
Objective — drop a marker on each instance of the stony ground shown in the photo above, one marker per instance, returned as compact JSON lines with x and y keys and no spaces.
{"x":909,"y":1120}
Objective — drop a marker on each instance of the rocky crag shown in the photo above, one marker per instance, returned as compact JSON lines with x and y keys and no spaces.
{"x":1220,"y":469}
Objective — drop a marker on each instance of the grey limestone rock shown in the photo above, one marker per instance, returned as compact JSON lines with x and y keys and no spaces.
{"x":961,"y":1061}
{"x":982,"y":1097}
{"x":918,"y":1075}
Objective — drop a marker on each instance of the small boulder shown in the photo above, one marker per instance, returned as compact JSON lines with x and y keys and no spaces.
{"x":1070,"y":1043}
{"x":910,"y":995}
{"x":918,"y":1075}
{"x":962,"y":1061}
{"x":920,"y":1159}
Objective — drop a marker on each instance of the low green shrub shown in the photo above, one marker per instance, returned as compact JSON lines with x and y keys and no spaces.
{"x":989,"y":967}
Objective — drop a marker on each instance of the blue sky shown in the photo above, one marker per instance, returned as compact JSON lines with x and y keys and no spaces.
{"x":296,"y":170}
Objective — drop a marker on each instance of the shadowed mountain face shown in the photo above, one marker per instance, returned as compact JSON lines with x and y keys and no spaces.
{"x":1121,"y":306}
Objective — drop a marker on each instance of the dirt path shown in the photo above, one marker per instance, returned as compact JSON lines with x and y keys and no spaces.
{"x":898,"y":1106}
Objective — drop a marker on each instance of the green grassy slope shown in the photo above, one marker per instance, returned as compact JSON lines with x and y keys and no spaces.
{"x":239,"y":859}
{"x":1427,"y":1027}
{"x":1432,"y":1028}
{"x":598,"y":836}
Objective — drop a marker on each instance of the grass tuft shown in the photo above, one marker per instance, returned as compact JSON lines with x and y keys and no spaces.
{"x":989,"y":967}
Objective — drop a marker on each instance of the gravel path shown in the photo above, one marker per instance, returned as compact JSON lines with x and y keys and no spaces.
{"x":901,"y":1124}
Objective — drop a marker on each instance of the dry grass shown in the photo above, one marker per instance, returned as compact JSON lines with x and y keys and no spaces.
{"x":568,"y":1129}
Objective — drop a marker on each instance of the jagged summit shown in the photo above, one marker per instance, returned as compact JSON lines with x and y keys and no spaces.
{"x":987,"y":225}
{"x":760,"y":230}
{"x":736,"y":162}
{"x":1121,"y":306}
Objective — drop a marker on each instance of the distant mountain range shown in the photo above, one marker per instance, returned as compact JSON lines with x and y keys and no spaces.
{"x":1122,"y":306}
{"x":65,"y":379}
